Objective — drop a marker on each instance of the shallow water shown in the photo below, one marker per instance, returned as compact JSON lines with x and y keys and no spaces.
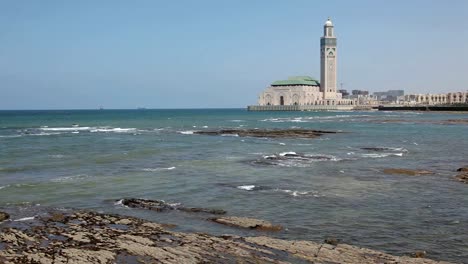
{"x":89,"y":159}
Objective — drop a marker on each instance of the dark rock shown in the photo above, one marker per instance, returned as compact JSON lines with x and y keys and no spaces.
{"x":249,"y":223}
{"x":407,"y":172}
{"x":419,"y":254}
{"x":58,"y":217}
{"x":463,"y":169}
{"x":277,"y":133}
{"x":376,"y":149}
{"x":462,"y":177}
{"x":332,"y":241}
{"x":202,"y":210}
{"x":155,"y":205}
{"x":159,"y":206}
{"x":4,"y":216}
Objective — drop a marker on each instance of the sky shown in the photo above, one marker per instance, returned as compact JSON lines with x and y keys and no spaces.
{"x":219,"y":54}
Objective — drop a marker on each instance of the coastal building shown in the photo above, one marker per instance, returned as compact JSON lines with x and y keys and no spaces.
{"x":307,"y":93}
{"x":437,"y":99}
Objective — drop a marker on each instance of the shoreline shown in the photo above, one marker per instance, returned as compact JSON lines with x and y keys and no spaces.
{"x":84,"y":236}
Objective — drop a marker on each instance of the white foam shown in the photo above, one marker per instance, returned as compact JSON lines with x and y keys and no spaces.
{"x":287,"y":153}
{"x":70,"y":178}
{"x":2,"y":187}
{"x":205,"y":126}
{"x":25,"y":219}
{"x":229,"y":135}
{"x":189,"y":132}
{"x":157,"y":169}
{"x":56,"y":156}
{"x":10,"y":136}
{"x":64,"y":129}
{"x":246,"y":187}
{"x":116,"y":130}
{"x":381,"y":155}
{"x":236,"y":120}
{"x":119,"y":202}
{"x":282,"y":144}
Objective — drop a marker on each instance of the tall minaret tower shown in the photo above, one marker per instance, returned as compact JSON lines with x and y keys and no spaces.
{"x":328,"y":54}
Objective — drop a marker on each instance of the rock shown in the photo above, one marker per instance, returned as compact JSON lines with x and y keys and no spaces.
{"x":332,"y":241}
{"x":159,"y":206}
{"x":4,"y":216}
{"x":202,"y":210}
{"x":155,"y":205}
{"x":277,"y":133}
{"x":463,"y":169}
{"x":250,"y":223}
{"x":95,"y":241}
{"x":407,"y":172}
{"x":419,"y":254}
{"x":58,"y":217}
{"x":462,"y":177}
{"x":376,"y":149}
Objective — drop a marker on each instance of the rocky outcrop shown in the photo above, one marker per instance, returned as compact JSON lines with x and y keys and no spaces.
{"x":407,"y":172}
{"x":249,"y":223}
{"x":4,"y":216}
{"x":462,"y":175}
{"x":159,"y":206}
{"x":88,"y":237}
{"x":265,"y":133}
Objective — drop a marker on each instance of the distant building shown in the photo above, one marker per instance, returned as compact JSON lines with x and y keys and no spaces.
{"x":437,"y":99}
{"x":305,"y":90}
{"x":343,"y":92}
{"x":359,"y":92}
{"x":390,"y":95}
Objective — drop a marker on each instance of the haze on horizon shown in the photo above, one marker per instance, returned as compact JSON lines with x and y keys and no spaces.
{"x":205,"y":54}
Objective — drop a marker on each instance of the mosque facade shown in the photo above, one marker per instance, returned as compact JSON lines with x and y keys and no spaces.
{"x":307,"y":91}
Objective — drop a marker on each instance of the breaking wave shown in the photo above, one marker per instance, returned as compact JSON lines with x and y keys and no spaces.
{"x":157,"y":169}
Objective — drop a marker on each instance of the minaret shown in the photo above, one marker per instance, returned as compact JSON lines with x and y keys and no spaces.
{"x":328,"y":54}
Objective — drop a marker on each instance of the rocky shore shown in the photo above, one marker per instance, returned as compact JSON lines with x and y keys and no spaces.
{"x":273,"y":133}
{"x":88,"y":237}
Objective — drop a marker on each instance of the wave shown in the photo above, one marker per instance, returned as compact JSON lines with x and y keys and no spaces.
{"x":157,"y":169}
{"x":64,"y":129}
{"x":10,"y":136}
{"x":188,"y":132}
{"x":116,"y":130}
{"x":246,"y":187}
{"x":70,"y":178}
{"x":236,"y":120}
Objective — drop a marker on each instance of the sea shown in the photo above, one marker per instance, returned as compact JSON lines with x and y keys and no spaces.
{"x":90,"y":159}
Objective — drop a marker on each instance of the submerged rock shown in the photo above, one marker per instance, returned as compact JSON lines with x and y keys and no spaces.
{"x":407,"y":172}
{"x":4,"y":216}
{"x":250,"y":223}
{"x":159,"y":206}
{"x":276,"y":133}
{"x":89,"y":237}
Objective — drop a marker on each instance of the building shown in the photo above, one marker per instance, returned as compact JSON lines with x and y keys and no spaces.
{"x":305,"y":90}
{"x":437,"y":99}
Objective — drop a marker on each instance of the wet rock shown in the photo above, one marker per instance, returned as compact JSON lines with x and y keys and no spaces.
{"x":159,"y":206}
{"x":202,"y":210}
{"x":332,"y":241}
{"x":407,"y":172}
{"x":58,"y":217}
{"x":155,"y":205}
{"x":419,"y":254}
{"x":95,"y":241}
{"x":462,"y":177}
{"x":376,"y":149}
{"x":4,"y":216}
{"x":264,"y":133}
{"x":463,"y":169}
{"x":250,"y":223}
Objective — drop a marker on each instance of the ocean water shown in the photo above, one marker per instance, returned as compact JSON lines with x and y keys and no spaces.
{"x":90,"y":159}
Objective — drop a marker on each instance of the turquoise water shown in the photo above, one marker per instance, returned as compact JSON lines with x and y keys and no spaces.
{"x":89,"y":159}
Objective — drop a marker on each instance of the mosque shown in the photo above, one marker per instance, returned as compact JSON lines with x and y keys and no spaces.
{"x":307,"y":93}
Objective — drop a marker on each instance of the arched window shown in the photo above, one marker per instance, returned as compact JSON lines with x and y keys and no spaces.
{"x":281,"y":100}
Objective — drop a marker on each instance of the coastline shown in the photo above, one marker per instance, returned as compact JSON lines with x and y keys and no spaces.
{"x":76,"y":236}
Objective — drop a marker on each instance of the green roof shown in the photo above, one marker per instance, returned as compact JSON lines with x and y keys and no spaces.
{"x":297,"y":80}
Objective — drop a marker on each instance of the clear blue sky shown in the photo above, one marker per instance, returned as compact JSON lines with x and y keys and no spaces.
{"x":184,"y":54}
